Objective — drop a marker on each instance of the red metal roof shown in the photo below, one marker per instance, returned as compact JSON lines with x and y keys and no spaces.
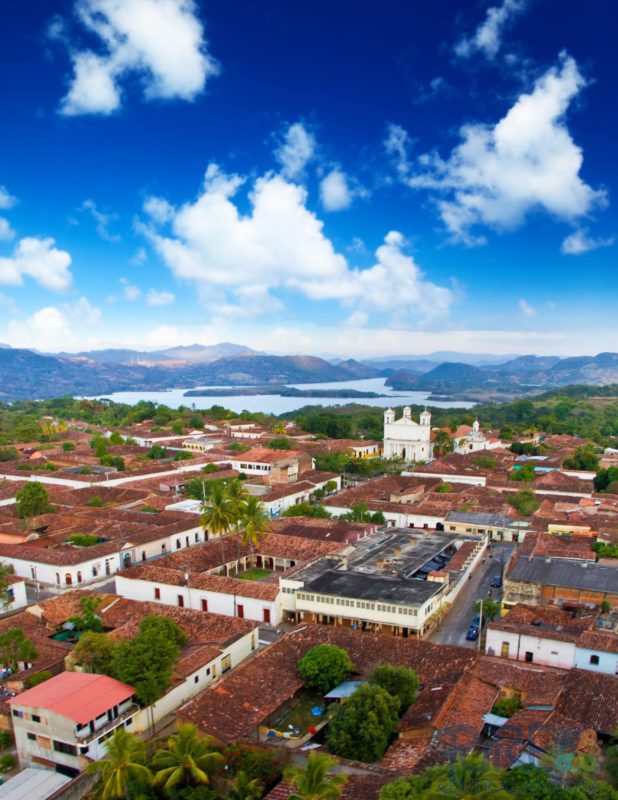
{"x":79,"y":696}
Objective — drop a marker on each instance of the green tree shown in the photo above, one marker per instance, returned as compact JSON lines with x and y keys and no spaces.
{"x":95,"y":652}
{"x":524,"y":473}
{"x":32,"y":499}
{"x":187,"y":760}
{"x":146,"y":662}
{"x":178,"y":427}
{"x":245,"y":788}
{"x":218,"y":514}
{"x":491,"y":608}
{"x":401,"y":682}
{"x":307,"y":510}
{"x":362,"y":727}
{"x":314,"y":781}
{"x":255,"y":523}
{"x":280,"y":443}
{"x":156,"y":452}
{"x":6,"y":593}
{"x":124,"y":762}
{"x":9,"y":454}
{"x":88,"y":620}
{"x":442,"y":443}
{"x":469,"y":778}
{"x":325,"y":666}
{"x":15,"y":648}
{"x":444,"y":488}
{"x":584,"y":458}
{"x":116,"y":438}
{"x":525,"y":502}
{"x":113,"y":461}
{"x":279,"y":429}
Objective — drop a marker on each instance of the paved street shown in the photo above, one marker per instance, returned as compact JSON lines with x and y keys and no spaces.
{"x":456,"y":623}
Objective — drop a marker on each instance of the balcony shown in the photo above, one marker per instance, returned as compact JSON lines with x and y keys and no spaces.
{"x":86,"y":736}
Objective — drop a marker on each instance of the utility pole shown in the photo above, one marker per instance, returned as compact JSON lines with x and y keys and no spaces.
{"x":478,"y":645}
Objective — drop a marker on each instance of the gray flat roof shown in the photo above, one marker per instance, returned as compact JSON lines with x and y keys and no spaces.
{"x":405,"y":551}
{"x":341,"y":583}
{"x":35,"y":784}
{"x":565,"y":573}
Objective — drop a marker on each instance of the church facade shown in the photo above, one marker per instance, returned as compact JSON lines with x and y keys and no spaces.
{"x":405,"y":438}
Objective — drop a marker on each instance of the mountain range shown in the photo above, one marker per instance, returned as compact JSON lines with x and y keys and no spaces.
{"x":28,"y":374}
{"x":521,"y":375}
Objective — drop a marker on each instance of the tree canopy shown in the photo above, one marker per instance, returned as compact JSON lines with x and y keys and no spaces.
{"x":362,"y":727}
{"x":324,"y":667}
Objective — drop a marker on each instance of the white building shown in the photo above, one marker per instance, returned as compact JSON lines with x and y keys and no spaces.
{"x":61,"y":724}
{"x":471,"y":440}
{"x":406,"y":438}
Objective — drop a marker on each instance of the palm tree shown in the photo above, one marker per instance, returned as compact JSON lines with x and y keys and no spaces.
{"x":243,"y":788}
{"x":124,"y":761}
{"x":470,"y":778}
{"x":255,"y":522}
{"x":442,"y":443}
{"x":314,"y":782}
{"x":237,"y":496}
{"x":218,"y":514}
{"x":187,"y":760}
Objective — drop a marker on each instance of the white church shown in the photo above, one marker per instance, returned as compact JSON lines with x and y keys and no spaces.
{"x":406,"y":438}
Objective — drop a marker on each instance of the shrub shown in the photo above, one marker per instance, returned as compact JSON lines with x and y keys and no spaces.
{"x":507,"y":706}
{"x":8,"y":454}
{"x":6,"y":739}
{"x":210,"y":468}
{"x":83,"y":539}
{"x":68,"y":447}
{"x":96,"y":502}
{"x":40,"y":677}
{"x":324,"y":667}
{"x":524,"y":502}
{"x":7,"y":762}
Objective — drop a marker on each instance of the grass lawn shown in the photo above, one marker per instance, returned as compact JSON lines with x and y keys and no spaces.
{"x":299,"y":716}
{"x":254,"y":574}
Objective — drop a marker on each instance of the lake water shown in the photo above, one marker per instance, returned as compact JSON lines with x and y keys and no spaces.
{"x":274,"y":404}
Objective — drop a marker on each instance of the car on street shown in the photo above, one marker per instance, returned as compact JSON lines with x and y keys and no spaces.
{"x":496,"y":582}
{"x":473,"y":634}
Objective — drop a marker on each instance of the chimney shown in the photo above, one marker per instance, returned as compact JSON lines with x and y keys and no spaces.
{"x":186,"y":577}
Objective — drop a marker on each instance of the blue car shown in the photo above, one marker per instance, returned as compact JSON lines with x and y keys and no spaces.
{"x":496,"y":582}
{"x":473,"y":634}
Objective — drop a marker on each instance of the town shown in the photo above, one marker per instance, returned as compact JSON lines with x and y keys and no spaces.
{"x":214,"y":583}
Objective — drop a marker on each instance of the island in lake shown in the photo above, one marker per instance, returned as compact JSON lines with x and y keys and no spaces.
{"x":281,"y":391}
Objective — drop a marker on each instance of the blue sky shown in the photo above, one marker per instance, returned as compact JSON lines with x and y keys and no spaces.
{"x":346,"y":178}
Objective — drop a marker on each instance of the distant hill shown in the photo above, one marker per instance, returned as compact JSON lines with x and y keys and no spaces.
{"x":518,"y":376}
{"x":25,"y":375}
{"x":194,"y":353}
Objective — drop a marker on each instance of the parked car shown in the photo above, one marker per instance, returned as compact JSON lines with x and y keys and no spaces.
{"x":496,"y":581}
{"x":473,"y":634}
{"x":476,"y":621}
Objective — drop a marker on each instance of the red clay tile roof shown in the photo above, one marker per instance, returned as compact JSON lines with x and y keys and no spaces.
{"x":591,"y":698}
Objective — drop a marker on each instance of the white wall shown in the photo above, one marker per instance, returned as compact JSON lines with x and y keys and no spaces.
{"x":218,"y":602}
{"x":608,"y":662}
{"x":472,"y":480}
{"x":548,"y":652}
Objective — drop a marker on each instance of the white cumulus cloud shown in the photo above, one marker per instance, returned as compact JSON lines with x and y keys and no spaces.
{"x":103,"y":221}
{"x":39,"y":259}
{"x":160,"y":41}
{"x":296,"y":150}
{"x":527,"y":161}
{"x":6,"y":199}
{"x":488,"y":36}
{"x":580,"y":242}
{"x":45,"y":329}
{"x":335,"y":191}
{"x":83,"y":311}
{"x":130,"y":291}
{"x":280,"y":244}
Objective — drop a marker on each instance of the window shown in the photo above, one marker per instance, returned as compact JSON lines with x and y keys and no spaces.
{"x":594,"y":659}
{"x":197,"y":537}
{"x":204,"y":604}
{"x":177,"y":544}
{"x":505,"y":649}
{"x":63,"y":747}
{"x":36,"y":718}
{"x":32,"y":737}
{"x":181,"y":601}
{"x":196,"y":679}
{"x":18,"y":714}
{"x":529,"y":657}
{"x":240,"y":611}
{"x":157,"y":593}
